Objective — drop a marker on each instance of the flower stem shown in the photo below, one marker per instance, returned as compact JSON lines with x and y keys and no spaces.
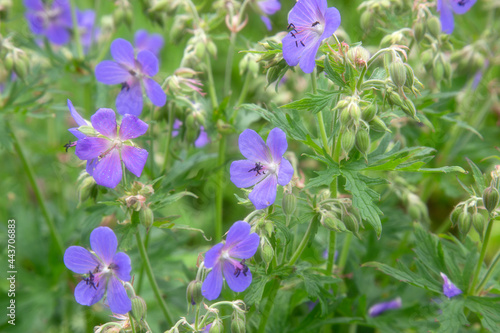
{"x":169,"y":139}
{"x":303,"y":242}
{"x":152,"y":281}
{"x":482,"y":254}
{"x":211,"y":83}
{"x":219,"y":193}
{"x":229,"y":63}
{"x":319,"y":115}
{"x":241,"y":99}
{"x":141,"y":271}
{"x":132,"y":325}
{"x":38,"y":194}
{"x":331,"y":252}
{"x":345,"y":252}
{"x":76,"y":31}
{"x":275,"y":284}
{"x":490,"y":271}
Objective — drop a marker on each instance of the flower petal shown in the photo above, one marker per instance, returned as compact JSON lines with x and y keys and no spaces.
{"x":104,"y":121}
{"x":291,"y":51}
{"x":122,"y":266}
{"x":132,"y":127}
{"x":57,"y":34}
{"x":134,"y":159}
{"x":104,"y":243}
{"x":76,"y":132}
{"x":269,"y":7}
{"x":108,"y":171}
{"x":461,"y":7}
{"x":241,"y":176}
{"x":276,"y":141}
{"x":267,"y":22}
{"x":212,"y":285}
{"x":76,"y":116}
{"x":332,"y":22}
{"x":149,"y":62}
{"x":379,"y":308}
{"x":154,"y":91}
{"x":238,"y":232}
{"x":308,"y":58}
{"x":305,"y":12}
{"x":449,"y":288}
{"x":447,"y":20}
{"x":36,"y":5}
{"x":202,"y":139}
{"x":36,"y":23}
{"x":123,"y":52}
{"x":286,"y":172}
{"x":110,"y":72}
{"x":88,"y":294}
{"x":239,"y":283}
{"x":91,"y":147}
{"x":253,"y":147}
{"x":80,"y":260}
{"x":129,"y":100}
{"x":212,"y":256}
{"x":246,"y":247}
{"x":264,"y":193}
{"x":90,"y":167}
{"x":117,"y":297}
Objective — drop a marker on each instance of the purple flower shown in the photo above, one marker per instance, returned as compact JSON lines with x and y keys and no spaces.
{"x":151,"y":42}
{"x":446,"y":9}
{"x":264,"y":167}
{"x":202,"y":139}
{"x":86,"y":24}
{"x":268,"y":7}
{"x":229,"y":260}
{"x":104,"y":270}
{"x":449,"y":289}
{"x":309,"y":22}
{"x":130,"y":72}
{"x":105,"y":152}
{"x":53,"y":22}
{"x":380,"y":308}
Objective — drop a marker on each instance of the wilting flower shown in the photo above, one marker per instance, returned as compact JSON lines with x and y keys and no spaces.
{"x":104,"y":271}
{"x":449,"y":289}
{"x":309,"y":22}
{"x":151,"y":42}
{"x":131,"y":72}
{"x":52,"y":21}
{"x":380,"y":308}
{"x":268,"y":7}
{"x":88,"y":31}
{"x":265,"y":166}
{"x":105,"y":151}
{"x":446,"y":8}
{"x":228,"y":260}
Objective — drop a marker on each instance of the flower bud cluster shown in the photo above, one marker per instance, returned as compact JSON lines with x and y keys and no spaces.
{"x":135,"y":199}
{"x":339,"y":215}
{"x":198,"y":46}
{"x":123,"y":13}
{"x":377,"y":12}
{"x":14,"y":59}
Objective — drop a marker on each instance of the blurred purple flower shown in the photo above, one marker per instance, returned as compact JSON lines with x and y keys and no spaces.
{"x":268,"y":7}
{"x":449,"y":289}
{"x":479,"y":75}
{"x":310,"y":21}
{"x":202,"y":139}
{"x":104,"y":269}
{"x":446,"y":8}
{"x":151,"y":42}
{"x":228,"y":260}
{"x":105,"y":152}
{"x":131,"y":72}
{"x":53,"y":22}
{"x":264,"y":167}
{"x":380,"y":308}
{"x":88,"y":31}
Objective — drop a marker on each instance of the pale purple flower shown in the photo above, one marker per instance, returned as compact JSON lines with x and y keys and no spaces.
{"x":88,"y":31}
{"x":309,"y":22}
{"x":380,"y":308}
{"x":228,"y":260}
{"x":446,"y":8}
{"x":106,"y":151}
{"x":104,"y":271}
{"x":202,"y":139}
{"x":268,"y":7}
{"x":265,"y":166}
{"x":131,"y":72}
{"x":151,"y":42}
{"x":449,"y":289}
{"x":53,"y":22}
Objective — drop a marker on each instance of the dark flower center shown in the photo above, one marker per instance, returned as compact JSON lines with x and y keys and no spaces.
{"x":463,"y":2}
{"x":243,"y":269}
{"x":258,"y":169}
{"x":69,"y":145}
{"x":89,"y":281}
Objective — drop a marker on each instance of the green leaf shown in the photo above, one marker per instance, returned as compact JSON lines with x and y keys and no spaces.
{"x":325,"y":177}
{"x":313,"y":102}
{"x":487,"y":309}
{"x":478,"y":176}
{"x":463,"y":125}
{"x":165,"y":222}
{"x":315,"y":287}
{"x":452,"y":316}
{"x":160,"y":201}
{"x":256,"y":289}
{"x":332,"y":75}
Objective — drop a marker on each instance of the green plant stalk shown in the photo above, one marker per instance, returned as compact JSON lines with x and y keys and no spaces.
{"x":152,"y":281}
{"x":331,"y":252}
{"x":211,"y":83}
{"x":36,"y":189}
{"x":319,"y":115}
{"x":303,"y":243}
{"x":169,"y":139}
{"x":344,"y":252}
{"x":482,"y":254}
{"x":76,"y":31}
{"x":243,"y":94}
{"x":269,"y":304}
{"x":141,"y":271}
{"x":219,"y":193}
{"x":229,"y":63}
{"x":131,"y":322}
{"x":490,"y":271}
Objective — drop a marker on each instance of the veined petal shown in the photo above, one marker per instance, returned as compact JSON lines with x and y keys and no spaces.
{"x":129,"y":100}
{"x":154,"y":91}
{"x":291,"y":51}
{"x":241,"y":176}
{"x":123,"y":52}
{"x":264,"y":193}
{"x":36,"y":23}
{"x":239,"y":283}
{"x":104,"y":121}
{"x":308,"y":58}
{"x":132,"y":127}
{"x":253,"y":147}
{"x":237,"y":233}
{"x":246,"y":248}
{"x":149,"y":62}
{"x":80,"y":260}
{"x":269,"y":7}
{"x":285,"y":173}
{"x":110,"y":72}
{"x":76,"y":132}
{"x":332,"y":22}
{"x":212,"y":285}
{"x":104,"y":243}
{"x":88,"y":294}
{"x":117,"y":297}
{"x":212,"y":256}
{"x":76,"y":116}
{"x":91,"y":166}
{"x":108,"y":171}
{"x":134,"y":159}
{"x":276,"y":141}
{"x":461,"y":7}
{"x":122,"y":266}
{"x":91,"y":147}
{"x":447,"y":20}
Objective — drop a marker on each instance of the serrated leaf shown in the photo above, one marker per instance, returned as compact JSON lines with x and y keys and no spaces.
{"x":452,"y":316}
{"x":313,"y":102}
{"x":463,"y":125}
{"x":487,"y":309}
{"x":162,"y":200}
{"x":325,"y":177}
{"x":256,"y":289}
{"x":478,"y":176}
{"x":315,"y":287}
{"x":165,"y":222}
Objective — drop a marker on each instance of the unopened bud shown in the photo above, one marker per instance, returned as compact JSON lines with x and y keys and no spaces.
{"x":146,"y":216}
{"x":478,"y":223}
{"x":378,"y":125}
{"x":395,"y":99}
{"x":438,"y":69}
{"x":490,"y":198}
{"x":410,"y":76}
{"x":238,"y":322}
{"x":363,"y":141}
{"x":266,"y":250}
{"x":397,"y":72}
{"x":289,"y":204}
{"x":347,"y":141}
{"x":434,"y":26}
{"x":464,"y":223}
{"x":350,"y":223}
{"x":455,"y":214}
{"x":269,"y":227}
{"x":331,"y":222}
{"x":366,"y":20}
{"x":139,"y":308}
{"x":358,"y":55}
{"x":9,"y":61}
{"x":217,"y":326}
{"x":419,"y":30}
{"x":409,"y":108}
{"x":427,"y":59}
{"x":87,"y":189}
{"x":369,"y":112}
{"x":193,"y":292}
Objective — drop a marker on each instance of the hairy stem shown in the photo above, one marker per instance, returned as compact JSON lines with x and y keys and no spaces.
{"x":219,"y":193}
{"x":345,"y":252}
{"x":319,"y":115}
{"x":331,"y":252}
{"x":76,"y":31}
{"x":482,"y":254}
{"x":490,"y":271}
{"x":303,"y":242}
{"x":211,"y":83}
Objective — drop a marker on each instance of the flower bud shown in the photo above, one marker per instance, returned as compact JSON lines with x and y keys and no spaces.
{"x":409,"y":108}
{"x":87,"y":189}
{"x":378,"y":125}
{"x":223,"y":127}
{"x":478,"y":223}
{"x":358,"y":55}
{"x":269,"y":227}
{"x":266,"y":250}
{"x":434,"y":26}
{"x":238,"y":322}
{"x":410,"y":76}
{"x":289,"y":204}
{"x":464,"y":223}
{"x":331,"y":222}
{"x":369,"y":112}
{"x":362,"y":141}
{"x":217,"y":326}
{"x":8,"y":62}
{"x":347,"y":141}
{"x":490,"y":198}
{"x":139,"y":308}
{"x":395,"y":99}
{"x":438,"y":69}
{"x":427,"y":59}
{"x":419,"y":29}
{"x":354,"y":111}
{"x":367,"y":19}
{"x":193,"y":292}
{"x":350,"y":223}
{"x":146,"y":216}
{"x":455,"y":215}
{"x":397,"y":72}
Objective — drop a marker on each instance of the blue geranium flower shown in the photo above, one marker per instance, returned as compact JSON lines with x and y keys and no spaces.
{"x":446,"y":8}
{"x":449,"y":289}
{"x":379,"y":308}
